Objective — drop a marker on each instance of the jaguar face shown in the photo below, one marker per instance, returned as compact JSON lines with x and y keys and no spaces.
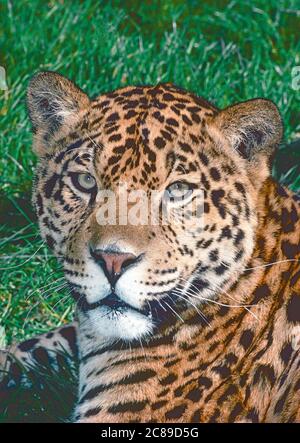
{"x":102,"y":164}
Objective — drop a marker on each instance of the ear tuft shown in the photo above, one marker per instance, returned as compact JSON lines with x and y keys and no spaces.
{"x":53,"y":100}
{"x":252,"y":128}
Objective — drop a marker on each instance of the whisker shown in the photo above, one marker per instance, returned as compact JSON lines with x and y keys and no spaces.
{"x":15,"y":234}
{"x":199,"y":297}
{"x":95,"y":143}
{"x":217,"y":288}
{"x":62,"y":299}
{"x":246,"y":307}
{"x":196,"y":308}
{"x":26,"y":261}
{"x":45,"y":286}
{"x":195,"y":291}
{"x":142,"y":347}
{"x":267,"y":264}
{"x":176,"y":313}
{"x":39,"y":302}
{"x":221,"y":303}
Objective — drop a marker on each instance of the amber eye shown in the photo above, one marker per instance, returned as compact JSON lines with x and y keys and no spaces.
{"x":179,"y":191}
{"x":83,"y":182}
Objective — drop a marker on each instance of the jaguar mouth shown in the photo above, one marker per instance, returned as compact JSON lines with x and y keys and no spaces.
{"x":158,"y":310}
{"x":114,"y":302}
{"x":111,"y":301}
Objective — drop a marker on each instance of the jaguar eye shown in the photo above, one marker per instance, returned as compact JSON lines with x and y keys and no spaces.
{"x":179,"y":191}
{"x":84,"y":182}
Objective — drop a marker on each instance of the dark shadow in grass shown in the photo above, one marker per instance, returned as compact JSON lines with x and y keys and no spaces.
{"x":39,"y":393}
{"x":16,"y":211}
{"x":287,"y":164}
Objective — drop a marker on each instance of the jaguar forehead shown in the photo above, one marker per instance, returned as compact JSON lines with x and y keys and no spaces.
{"x":141,"y":130}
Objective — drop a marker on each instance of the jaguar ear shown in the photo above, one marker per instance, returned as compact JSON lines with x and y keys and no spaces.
{"x":253,"y":128}
{"x":53,"y":101}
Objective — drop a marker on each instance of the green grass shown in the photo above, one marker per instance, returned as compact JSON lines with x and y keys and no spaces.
{"x":224,"y":51}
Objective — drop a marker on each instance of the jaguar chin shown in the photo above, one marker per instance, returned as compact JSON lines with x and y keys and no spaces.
{"x":113,"y":318}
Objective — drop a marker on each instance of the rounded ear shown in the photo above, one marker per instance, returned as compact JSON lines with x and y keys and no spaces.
{"x":53,"y":101}
{"x":252,"y":128}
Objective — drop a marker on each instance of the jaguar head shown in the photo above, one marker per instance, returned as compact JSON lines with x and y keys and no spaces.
{"x":147,"y":195}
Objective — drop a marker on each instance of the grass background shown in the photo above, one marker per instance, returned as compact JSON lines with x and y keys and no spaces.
{"x":226,"y":51}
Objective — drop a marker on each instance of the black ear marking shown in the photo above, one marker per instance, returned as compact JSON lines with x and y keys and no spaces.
{"x":52,"y":100}
{"x":252,"y":128}
{"x":243,"y":150}
{"x":255,"y":138}
{"x":47,"y":109}
{"x":258,"y":136}
{"x":44,"y":103}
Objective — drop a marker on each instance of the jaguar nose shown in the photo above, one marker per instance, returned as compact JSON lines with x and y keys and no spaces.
{"x":113,"y":264}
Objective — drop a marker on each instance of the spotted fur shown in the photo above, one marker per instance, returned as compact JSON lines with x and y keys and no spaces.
{"x":222,"y":344}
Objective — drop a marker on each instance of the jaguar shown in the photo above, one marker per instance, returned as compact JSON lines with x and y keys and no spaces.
{"x":175,"y":321}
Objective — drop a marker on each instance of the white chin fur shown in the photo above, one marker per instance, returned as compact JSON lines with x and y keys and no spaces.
{"x":127,"y":325}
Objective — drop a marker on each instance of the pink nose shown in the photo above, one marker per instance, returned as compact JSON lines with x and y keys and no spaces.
{"x":116,"y":263}
{"x":113,"y":264}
